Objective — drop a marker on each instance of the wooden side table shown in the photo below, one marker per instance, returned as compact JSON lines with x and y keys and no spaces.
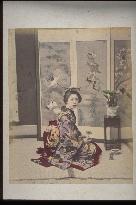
{"x":116,"y":141}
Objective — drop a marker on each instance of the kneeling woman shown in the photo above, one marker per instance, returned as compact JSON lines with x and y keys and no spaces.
{"x":72,"y":150}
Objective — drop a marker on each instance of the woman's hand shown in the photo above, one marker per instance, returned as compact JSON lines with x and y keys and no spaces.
{"x":76,"y":143}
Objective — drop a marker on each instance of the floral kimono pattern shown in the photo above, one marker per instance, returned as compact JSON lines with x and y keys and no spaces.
{"x":71,"y":149}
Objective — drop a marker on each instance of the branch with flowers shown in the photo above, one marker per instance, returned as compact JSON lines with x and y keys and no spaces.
{"x":111,"y":97}
{"x":93,"y":70}
{"x":122,"y":67}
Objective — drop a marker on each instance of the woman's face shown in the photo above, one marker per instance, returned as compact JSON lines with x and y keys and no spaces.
{"x":72,"y":101}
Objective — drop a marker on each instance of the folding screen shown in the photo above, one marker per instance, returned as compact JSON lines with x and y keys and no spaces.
{"x":89,"y":60}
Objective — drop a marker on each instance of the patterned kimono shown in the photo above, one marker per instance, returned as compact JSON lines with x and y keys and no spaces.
{"x":71,"y":149}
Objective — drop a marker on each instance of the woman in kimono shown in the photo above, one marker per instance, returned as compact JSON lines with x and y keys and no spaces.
{"x":72,"y":150}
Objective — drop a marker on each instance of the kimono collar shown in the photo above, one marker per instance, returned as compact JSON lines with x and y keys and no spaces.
{"x":70,"y":113}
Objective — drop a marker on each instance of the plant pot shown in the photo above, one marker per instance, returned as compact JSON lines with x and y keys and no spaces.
{"x":112,"y":111}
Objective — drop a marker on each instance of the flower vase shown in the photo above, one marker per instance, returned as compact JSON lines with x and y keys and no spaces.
{"x":112,"y":111}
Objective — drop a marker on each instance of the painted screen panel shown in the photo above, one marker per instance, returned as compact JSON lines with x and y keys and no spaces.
{"x":54,"y":76}
{"x":123,"y":79}
{"x":92,"y":79}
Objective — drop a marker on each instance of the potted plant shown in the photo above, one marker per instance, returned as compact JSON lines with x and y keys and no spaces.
{"x":112,"y":102}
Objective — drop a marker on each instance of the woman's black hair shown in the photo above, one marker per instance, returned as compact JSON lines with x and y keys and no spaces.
{"x":71,"y":91}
